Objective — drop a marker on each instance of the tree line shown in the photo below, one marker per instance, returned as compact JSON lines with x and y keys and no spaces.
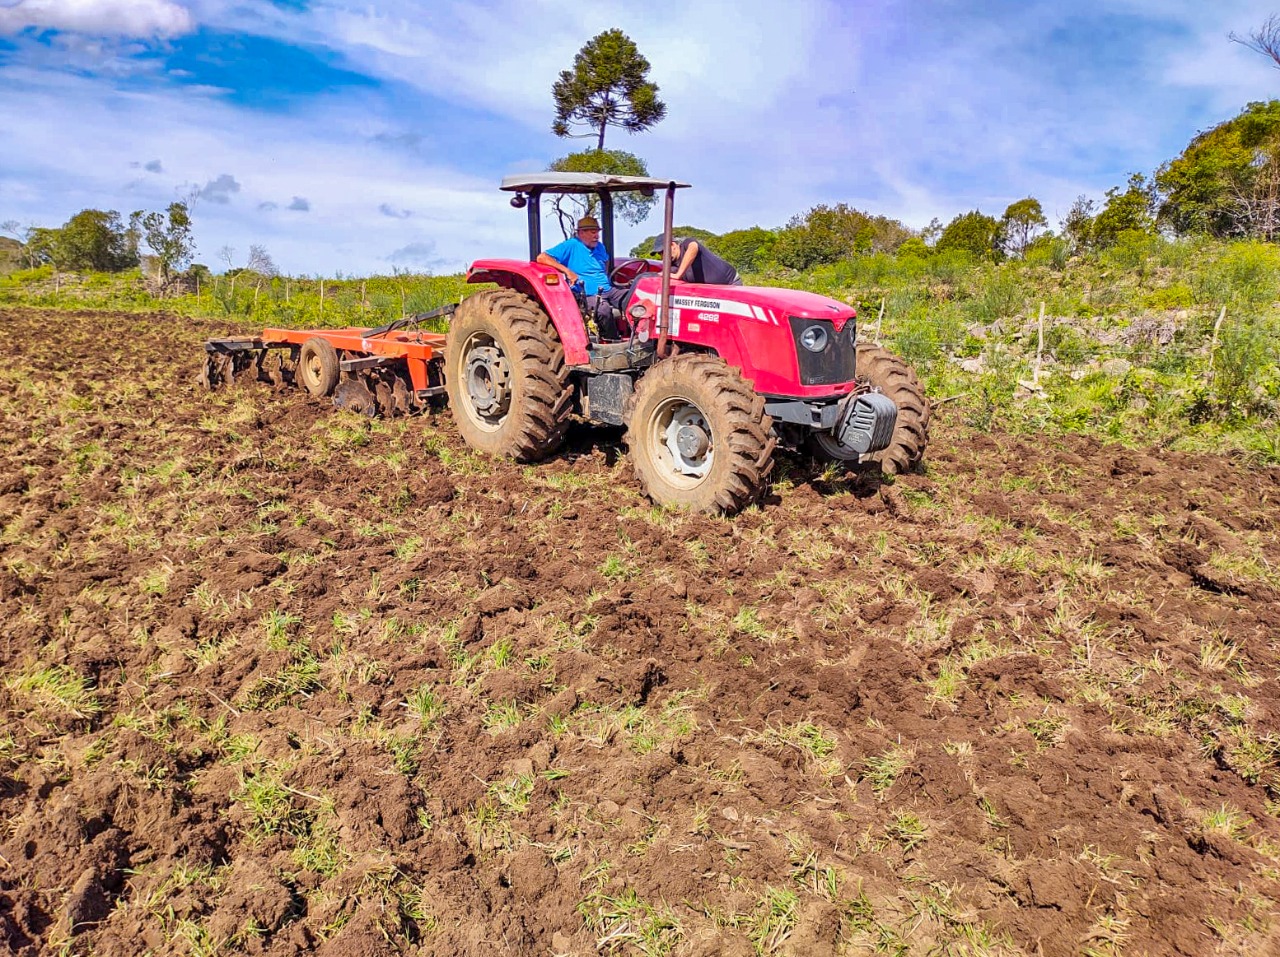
{"x":96,"y":240}
{"x":1225,"y":184}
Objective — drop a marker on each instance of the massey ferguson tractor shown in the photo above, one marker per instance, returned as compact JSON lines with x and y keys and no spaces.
{"x":708,"y":380}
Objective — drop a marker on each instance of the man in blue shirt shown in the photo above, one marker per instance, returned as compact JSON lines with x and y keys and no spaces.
{"x":583,"y":258}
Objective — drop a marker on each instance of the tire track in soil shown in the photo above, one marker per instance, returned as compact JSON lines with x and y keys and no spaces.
{"x":1026,"y":701}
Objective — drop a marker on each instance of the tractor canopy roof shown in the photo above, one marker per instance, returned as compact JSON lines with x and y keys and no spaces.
{"x":583,"y":183}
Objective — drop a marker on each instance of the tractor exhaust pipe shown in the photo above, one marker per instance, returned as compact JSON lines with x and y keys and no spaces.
{"x":664,"y":311}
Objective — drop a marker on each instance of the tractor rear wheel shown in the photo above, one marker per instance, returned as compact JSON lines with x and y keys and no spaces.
{"x":318,"y":366}
{"x":699,"y":436}
{"x":887,"y":372}
{"x":506,"y":376}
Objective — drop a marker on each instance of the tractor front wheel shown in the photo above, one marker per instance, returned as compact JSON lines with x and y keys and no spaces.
{"x":699,"y":436}
{"x":506,"y":376}
{"x":883,"y":370}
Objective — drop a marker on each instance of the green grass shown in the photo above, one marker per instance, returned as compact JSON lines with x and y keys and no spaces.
{"x":625,"y":920}
{"x":882,"y":770}
{"x":57,"y":688}
{"x":425,"y":705}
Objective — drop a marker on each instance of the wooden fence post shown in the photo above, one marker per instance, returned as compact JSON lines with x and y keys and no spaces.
{"x":1213,"y":346}
{"x":1035,"y":376}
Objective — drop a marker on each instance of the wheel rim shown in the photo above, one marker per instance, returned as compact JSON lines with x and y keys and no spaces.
{"x":313,"y":368}
{"x":680,"y":441}
{"x":486,"y":382}
{"x":834,"y":448}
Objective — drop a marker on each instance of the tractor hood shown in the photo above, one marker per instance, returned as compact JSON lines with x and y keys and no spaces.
{"x":796,"y":302}
{"x":760,"y":302}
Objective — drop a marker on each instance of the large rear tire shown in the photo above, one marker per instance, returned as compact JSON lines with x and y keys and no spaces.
{"x":699,"y":437}
{"x":506,"y":376}
{"x":887,"y":372}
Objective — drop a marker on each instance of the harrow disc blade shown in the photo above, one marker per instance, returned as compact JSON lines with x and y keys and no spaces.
{"x":400,"y":397}
{"x":271,"y":368}
{"x":353,"y":394}
{"x":386,"y":402}
{"x":218,"y":370}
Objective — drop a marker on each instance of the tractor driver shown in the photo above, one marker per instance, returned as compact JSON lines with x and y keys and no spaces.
{"x":583,"y":259}
{"x":693,"y":262}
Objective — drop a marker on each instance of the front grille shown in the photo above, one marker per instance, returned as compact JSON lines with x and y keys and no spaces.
{"x":834,"y":364}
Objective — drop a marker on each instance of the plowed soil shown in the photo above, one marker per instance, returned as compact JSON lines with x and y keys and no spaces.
{"x":279,"y":679}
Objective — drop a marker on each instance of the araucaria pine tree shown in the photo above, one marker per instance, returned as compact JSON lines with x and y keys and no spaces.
{"x":608,"y":86}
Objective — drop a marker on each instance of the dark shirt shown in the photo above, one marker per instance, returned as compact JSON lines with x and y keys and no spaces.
{"x":708,"y":267}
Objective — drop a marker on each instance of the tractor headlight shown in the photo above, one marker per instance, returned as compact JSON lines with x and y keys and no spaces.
{"x":814,"y":338}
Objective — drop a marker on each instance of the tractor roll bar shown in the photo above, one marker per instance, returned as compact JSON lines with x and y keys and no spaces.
{"x":606,"y":222}
{"x":535,"y":223}
{"x":664,"y":310}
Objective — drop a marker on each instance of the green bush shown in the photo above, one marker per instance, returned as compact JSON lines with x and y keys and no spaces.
{"x":1177,"y":296}
{"x":1000,"y":295}
{"x":1133,"y":249}
{"x":1051,"y":251}
{"x":1245,"y":352}
{"x":1246,"y":276}
{"x":1066,"y":345}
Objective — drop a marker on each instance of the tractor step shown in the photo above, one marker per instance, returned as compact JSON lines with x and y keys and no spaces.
{"x":620,"y":356}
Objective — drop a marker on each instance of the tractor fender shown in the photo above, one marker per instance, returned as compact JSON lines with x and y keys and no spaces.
{"x":546,"y":287}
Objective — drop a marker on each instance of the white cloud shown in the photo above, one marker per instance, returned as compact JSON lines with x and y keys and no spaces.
{"x":116,"y":18}
{"x":50,"y":169}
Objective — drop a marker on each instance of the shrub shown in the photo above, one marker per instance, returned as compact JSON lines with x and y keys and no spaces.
{"x":1246,"y":276}
{"x":1245,"y":351}
{"x":1001,"y":295}
{"x":1177,"y":296}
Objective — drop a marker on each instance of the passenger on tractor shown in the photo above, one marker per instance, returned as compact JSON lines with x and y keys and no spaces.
{"x":584,"y":260}
{"x":693,"y":262}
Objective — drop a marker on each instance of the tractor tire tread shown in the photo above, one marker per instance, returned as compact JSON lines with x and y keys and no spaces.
{"x":735,"y":406}
{"x":898,"y":381}
{"x":540,"y":423}
{"x":330,"y":368}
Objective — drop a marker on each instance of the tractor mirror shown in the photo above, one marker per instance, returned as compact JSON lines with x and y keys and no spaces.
{"x":518,"y":201}
{"x":647,"y":192}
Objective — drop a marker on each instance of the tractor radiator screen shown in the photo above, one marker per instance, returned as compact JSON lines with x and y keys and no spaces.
{"x":834,"y":362}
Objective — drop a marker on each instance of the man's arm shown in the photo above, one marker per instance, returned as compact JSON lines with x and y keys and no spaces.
{"x":569,"y":274}
{"x":690,"y":254}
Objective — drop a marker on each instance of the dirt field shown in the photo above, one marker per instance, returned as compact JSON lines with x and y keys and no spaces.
{"x":278,"y":679}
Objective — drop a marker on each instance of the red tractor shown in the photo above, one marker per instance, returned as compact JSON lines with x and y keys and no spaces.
{"x":708,"y":380}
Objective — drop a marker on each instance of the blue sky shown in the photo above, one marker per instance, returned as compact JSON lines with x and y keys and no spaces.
{"x":355,"y":137}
